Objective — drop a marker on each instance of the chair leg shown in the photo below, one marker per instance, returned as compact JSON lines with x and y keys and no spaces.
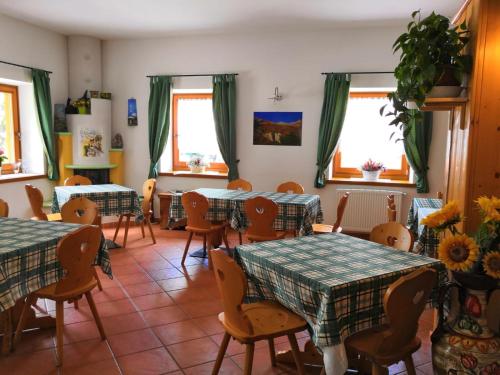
{"x":142,"y":229}
{"x":59,"y":331}
{"x":224,"y":237}
{"x":204,"y":244}
{"x":378,"y":370}
{"x":296,"y":353}
{"x":151,"y":230}
{"x":187,"y":247}
{"x":99,"y":286}
{"x":220,"y":355}
{"x":272,"y":352}
{"x":127,"y":225}
{"x":209,"y":253}
{"x":95,"y":314}
{"x":75,"y":304}
{"x":410,"y":366}
{"x":249,"y":359}
{"x":22,"y":318}
{"x":120,"y":219}
{"x":7,"y":331}
{"x":240,"y":237}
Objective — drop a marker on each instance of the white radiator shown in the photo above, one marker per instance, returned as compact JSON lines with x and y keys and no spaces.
{"x":367,"y":208}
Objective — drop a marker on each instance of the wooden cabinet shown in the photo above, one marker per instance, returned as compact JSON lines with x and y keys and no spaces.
{"x":473,"y":157}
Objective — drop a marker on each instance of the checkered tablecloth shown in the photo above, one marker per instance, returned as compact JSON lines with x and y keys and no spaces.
{"x":110,"y":198}
{"x":297,"y":212}
{"x":336,"y":282}
{"x":427,"y":241}
{"x":28,"y":259}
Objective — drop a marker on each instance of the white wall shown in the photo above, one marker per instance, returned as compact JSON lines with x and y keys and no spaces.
{"x":84,"y":64}
{"x":26,"y":44}
{"x":292,"y":61}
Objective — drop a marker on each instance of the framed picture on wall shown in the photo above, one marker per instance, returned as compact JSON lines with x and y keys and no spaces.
{"x":277,"y":128}
{"x":132,"y":112}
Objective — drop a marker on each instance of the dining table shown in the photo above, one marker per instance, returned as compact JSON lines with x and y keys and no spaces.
{"x":427,"y":241}
{"x":334,"y":281}
{"x":296,"y":212}
{"x":28,"y":262}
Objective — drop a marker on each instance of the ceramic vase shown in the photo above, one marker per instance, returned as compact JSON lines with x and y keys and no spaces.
{"x":371,"y":175}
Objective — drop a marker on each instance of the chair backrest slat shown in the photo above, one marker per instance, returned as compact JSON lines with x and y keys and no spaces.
{"x":79,"y":211}
{"x":261,"y":212}
{"x":148,"y":190}
{"x":392,"y":234}
{"x":77,"y":180}
{"x":196,"y":207}
{"x":391,"y":208}
{"x":340,"y":211}
{"x":4,"y":208}
{"x":239,"y":184}
{"x":290,"y":187}
{"x":35,"y":197}
{"x":76,"y":252}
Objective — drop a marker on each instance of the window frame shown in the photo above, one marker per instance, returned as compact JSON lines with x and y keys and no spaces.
{"x":402,"y":174}
{"x":16,"y":129}
{"x":178,"y":165}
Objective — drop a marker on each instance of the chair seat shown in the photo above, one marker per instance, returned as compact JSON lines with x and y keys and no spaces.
{"x":54,"y":217}
{"x":367,"y":344}
{"x":269,"y":319}
{"x":50,"y":291}
{"x":213,"y":228}
{"x":322,"y":228}
{"x":257,"y":238}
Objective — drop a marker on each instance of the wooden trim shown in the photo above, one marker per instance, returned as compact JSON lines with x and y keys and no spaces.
{"x":15,"y":119}
{"x":359,"y":181}
{"x":5,"y":179}
{"x":214,"y":175}
{"x":368,"y":94}
{"x":178,"y":165}
{"x":460,"y":12}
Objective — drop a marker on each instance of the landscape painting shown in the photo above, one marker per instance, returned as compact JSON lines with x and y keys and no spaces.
{"x":277,"y":128}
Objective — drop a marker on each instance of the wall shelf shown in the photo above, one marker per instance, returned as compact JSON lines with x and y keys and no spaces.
{"x":81,"y":166}
{"x":447,"y":104}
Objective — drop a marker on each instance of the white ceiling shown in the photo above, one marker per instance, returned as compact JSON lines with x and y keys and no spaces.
{"x":111,"y":19}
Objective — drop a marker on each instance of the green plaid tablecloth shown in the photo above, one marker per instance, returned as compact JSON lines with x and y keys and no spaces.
{"x":427,"y":241}
{"x":296,"y":211}
{"x":336,"y":282}
{"x":28,"y":257}
{"x":111,"y":199}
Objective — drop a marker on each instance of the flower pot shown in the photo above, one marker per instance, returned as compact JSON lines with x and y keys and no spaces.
{"x":371,"y":175}
{"x":444,"y":92}
{"x":197,"y":169}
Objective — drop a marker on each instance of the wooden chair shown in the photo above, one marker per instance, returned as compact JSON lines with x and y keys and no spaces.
{"x":325,"y":228}
{"x":290,"y":187}
{"x":196,"y":207}
{"x":239,"y":184}
{"x":392,"y":234}
{"x":76,"y":252}
{"x":82,"y":211}
{"x":77,"y":180}
{"x":261,"y":213}
{"x":395,"y":341}
{"x":148,"y":190}
{"x":439,"y":195}
{"x":391,"y":208}
{"x":249,"y":323}
{"x":4,"y":208}
{"x":35,"y":197}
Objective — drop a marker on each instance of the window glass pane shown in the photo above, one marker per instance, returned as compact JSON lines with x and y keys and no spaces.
{"x":7,"y":126}
{"x":196,"y":130}
{"x":366,"y":134}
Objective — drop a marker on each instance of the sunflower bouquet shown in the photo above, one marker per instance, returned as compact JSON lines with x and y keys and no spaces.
{"x":479,"y":254}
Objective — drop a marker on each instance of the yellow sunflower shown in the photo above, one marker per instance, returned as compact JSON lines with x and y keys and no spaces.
{"x":491,"y":264}
{"x":458,"y":252}
{"x":446,"y":216}
{"x":490,"y":208}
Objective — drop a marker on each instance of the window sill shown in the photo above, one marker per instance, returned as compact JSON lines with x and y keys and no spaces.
{"x":6,"y":178}
{"x":216,"y":175}
{"x":360,"y":181}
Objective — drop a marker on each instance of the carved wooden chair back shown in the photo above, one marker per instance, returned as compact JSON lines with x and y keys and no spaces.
{"x":35,"y":197}
{"x":79,"y":210}
{"x":290,"y":187}
{"x":391,"y":208}
{"x":340,"y":211}
{"x":239,"y":184}
{"x":77,"y":180}
{"x":196,"y":207}
{"x":148,"y":190}
{"x":261,"y":212}
{"x":4,"y":208}
{"x":392,"y":234}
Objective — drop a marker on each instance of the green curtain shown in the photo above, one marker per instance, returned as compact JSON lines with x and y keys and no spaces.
{"x":158,"y":119}
{"x":41,"y":85}
{"x":224,"y":108}
{"x":335,"y":101}
{"x":417,"y":142}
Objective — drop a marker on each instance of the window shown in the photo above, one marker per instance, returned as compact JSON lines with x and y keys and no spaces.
{"x":193,"y":132}
{"x":365,"y":135}
{"x":10,"y":139}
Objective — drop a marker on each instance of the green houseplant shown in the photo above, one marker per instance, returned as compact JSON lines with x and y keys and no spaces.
{"x":432,"y":54}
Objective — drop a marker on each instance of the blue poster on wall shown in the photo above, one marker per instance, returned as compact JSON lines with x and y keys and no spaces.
{"x":132,"y":112}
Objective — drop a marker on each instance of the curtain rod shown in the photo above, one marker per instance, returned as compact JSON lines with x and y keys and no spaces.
{"x":190,"y":75}
{"x":24,"y":66}
{"x":358,"y":72}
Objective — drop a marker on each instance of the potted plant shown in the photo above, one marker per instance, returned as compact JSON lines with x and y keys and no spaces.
{"x":3,"y":157}
{"x":371,"y":170}
{"x":432,"y":63}
{"x":197,"y":164}
{"x":467,"y":344}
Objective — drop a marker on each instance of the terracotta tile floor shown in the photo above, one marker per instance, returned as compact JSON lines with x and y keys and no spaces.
{"x":159,"y":318}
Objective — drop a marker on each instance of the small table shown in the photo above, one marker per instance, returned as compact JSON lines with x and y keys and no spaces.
{"x":427,"y":241}
{"x":335,"y":282}
{"x":28,"y":262}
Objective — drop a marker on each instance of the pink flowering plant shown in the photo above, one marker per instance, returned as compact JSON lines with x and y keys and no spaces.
{"x":3,"y":157}
{"x":372,"y":166}
{"x":197,"y":161}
